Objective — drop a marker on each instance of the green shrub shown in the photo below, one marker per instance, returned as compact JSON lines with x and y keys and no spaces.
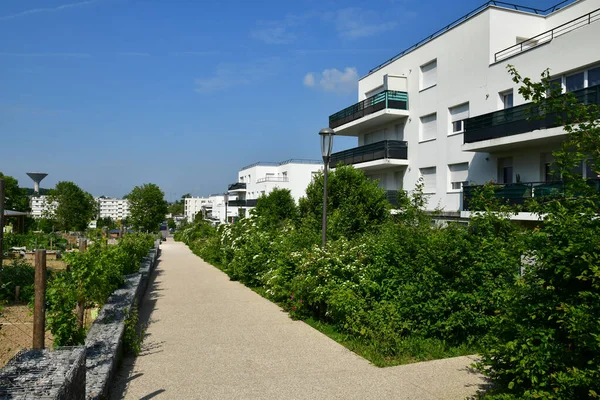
{"x":17,"y":273}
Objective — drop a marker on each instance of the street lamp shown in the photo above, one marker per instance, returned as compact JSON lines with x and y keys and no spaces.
{"x":326,"y":146}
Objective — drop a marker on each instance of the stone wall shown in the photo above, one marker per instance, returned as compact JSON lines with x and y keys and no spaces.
{"x":45,"y":374}
{"x":80,"y":372}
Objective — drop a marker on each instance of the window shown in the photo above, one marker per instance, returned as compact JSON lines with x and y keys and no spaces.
{"x":428,"y":175}
{"x":458,"y":175}
{"x":505,"y":170}
{"x":574,"y":82}
{"x":593,"y":77}
{"x":429,"y":127}
{"x":556,"y":83}
{"x":507,"y":99}
{"x":458,"y":115}
{"x":429,"y":74}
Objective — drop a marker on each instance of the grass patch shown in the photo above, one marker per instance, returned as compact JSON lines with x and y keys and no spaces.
{"x":410,"y":349}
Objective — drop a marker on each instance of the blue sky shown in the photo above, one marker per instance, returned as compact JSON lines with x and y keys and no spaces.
{"x":111,"y":94}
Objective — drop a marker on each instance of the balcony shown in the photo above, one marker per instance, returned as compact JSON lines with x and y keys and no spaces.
{"x":517,"y":194}
{"x":276,"y":179}
{"x":384,"y":154}
{"x":242,"y":203}
{"x":375,"y":110}
{"x":237,"y":187}
{"x":520,"y":125}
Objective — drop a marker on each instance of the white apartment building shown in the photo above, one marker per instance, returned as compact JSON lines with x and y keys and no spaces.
{"x":41,"y":207}
{"x":195,"y":205}
{"x":446,"y":109}
{"x":261,"y":178}
{"x":113,"y":208}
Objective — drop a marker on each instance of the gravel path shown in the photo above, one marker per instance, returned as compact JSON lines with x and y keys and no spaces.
{"x":210,"y":338}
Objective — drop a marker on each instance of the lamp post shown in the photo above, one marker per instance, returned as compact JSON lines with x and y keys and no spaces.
{"x":326,"y":146}
{"x":226,"y":200}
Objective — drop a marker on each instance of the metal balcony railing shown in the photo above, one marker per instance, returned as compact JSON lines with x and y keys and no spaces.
{"x":273,"y":179}
{"x":519,"y":193}
{"x":386,"y":99}
{"x":242,"y":203}
{"x":395,"y":149}
{"x":237,"y":186}
{"x":520,"y":119}
{"x":548,"y":36}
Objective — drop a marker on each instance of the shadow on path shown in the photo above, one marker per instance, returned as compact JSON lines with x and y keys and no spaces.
{"x":125,"y":373}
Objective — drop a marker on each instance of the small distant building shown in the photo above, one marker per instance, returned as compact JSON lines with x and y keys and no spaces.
{"x":194,"y":205}
{"x":41,"y":206}
{"x":113,"y":208}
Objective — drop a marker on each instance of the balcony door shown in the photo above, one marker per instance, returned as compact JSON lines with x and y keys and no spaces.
{"x":505,"y":170}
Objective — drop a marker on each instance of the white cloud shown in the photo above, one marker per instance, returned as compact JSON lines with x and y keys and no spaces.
{"x":273,"y":33}
{"x":48,"y":9}
{"x":239,"y":74}
{"x":356,"y":23}
{"x":334,"y":80}
{"x":309,"y":79}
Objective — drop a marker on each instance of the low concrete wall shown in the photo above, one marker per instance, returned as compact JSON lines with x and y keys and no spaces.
{"x":80,"y":372}
{"x":46,"y":374}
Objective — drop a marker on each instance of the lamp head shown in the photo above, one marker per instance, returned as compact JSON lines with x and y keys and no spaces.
{"x":327,"y":135}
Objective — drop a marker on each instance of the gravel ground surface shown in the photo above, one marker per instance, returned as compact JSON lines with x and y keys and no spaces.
{"x":210,"y":338}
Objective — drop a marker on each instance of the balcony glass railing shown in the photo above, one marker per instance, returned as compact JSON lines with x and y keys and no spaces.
{"x":395,"y":149}
{"x":519,"y":193}
{"x":237,"y":186}
{"x":386,"y":99}
{"x":520,"y":119}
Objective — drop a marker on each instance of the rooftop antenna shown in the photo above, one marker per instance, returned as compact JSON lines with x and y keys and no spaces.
{"x":37,"y":178}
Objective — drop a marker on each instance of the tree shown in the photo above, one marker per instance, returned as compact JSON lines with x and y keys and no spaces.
{"x":106,"y":221}
{"x":147,"y":207}
{"x":15,"y":197}
{"x":276,"y":207}
{"x":546,"y":342}
{"x":75,"y":207}
{"x":355,"y":203}
{"x":178,"y":207}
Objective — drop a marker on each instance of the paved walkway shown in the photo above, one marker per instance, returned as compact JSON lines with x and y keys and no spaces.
{"x":210,"y":338}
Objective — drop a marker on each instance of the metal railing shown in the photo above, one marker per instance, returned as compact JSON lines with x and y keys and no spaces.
{"x":237,"y":186}
{"x":503,"y":4}
{"x":242,"y":203}
{"x":395,"y":149}
{"x":519,"y":193}
{"x":276,"y":164}
{"x":548,"y":36}
{"x":273,"y":179}
{"x":380,"y":101}
{"x":520,"y":119}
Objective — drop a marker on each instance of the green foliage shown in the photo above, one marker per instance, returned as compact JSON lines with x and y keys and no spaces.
{"x":17,"y":273}
{"x":15,"y":198}
{"x":91,"y":278}
{"x":75,"y":209}
{"x":134,"y":334}
{"x":106,"y":222}
{"x":147,"y":207}
{"x":277,"y":206}
{"x":355,"y":203}
{"x":35,"y":241}
{"x":546,"y":343}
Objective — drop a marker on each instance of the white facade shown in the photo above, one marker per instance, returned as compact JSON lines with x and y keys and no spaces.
{"x":461,"y":74}
{"x":113,"y":208}
{"x":40,"y":207}
{"x":194,"y":205}
{"x":261,"y":178}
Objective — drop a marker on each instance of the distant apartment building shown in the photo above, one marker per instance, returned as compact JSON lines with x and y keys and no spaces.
{"x":195,"y":205}
{"x":261,"y":178}
{"x":41,"y":207}
{"x":113,"y":208}
{"x":446,"y":110}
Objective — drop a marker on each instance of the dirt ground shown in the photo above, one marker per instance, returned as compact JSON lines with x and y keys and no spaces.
{"x":16,"y":331}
